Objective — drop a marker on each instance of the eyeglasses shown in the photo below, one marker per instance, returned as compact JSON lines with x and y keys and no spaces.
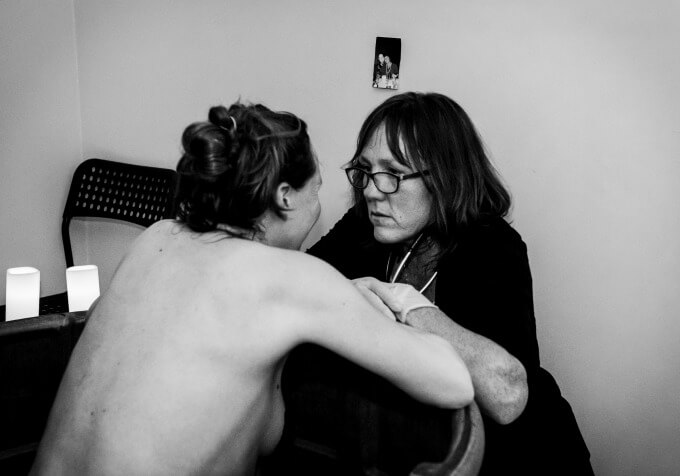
{"x":385,"y":182}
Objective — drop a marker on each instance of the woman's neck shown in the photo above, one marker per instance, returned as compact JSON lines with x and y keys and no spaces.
{"x":417,"y":267}
{"x":420,"y":253}
{"x":239,"y":232}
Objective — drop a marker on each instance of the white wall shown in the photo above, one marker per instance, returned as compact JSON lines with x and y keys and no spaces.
{"x":40,"y":140}
{"x":577,"y":102}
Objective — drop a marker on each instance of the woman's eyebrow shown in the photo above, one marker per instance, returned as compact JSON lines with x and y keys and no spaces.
{"x":392,"y":163}
{"x":386,"y":161}
{"x":382,"y":163}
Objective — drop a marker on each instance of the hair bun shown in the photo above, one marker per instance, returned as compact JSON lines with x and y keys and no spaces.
{"x":206,"y":150}
{"x":219,"y":115}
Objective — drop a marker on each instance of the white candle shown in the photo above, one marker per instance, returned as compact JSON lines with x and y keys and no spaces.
{"x":22,"y":293}
{"x":82,"y":286}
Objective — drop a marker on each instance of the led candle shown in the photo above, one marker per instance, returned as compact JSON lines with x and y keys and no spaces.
{"x":22,"y":293}
{"x":82,"y":286}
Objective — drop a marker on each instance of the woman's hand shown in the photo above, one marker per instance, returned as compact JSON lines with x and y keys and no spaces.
{"x":393,"y":299}
{"x":408,"y":299}
{"x":499,"y":378}
{"x":379,"y":295}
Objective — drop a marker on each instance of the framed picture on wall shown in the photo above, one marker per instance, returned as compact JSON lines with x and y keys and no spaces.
{"x":387,"y":63}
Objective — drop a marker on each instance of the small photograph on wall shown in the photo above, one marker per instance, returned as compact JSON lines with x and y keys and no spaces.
{"x":387,"y":63}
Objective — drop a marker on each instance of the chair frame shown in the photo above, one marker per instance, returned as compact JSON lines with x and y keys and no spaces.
{"x":345,"y":420}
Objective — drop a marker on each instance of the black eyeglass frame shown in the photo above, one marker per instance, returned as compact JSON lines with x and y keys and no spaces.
{"x":399,"y":177}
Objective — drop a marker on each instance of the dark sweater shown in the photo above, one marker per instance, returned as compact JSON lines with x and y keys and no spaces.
{"x":485,"y":285}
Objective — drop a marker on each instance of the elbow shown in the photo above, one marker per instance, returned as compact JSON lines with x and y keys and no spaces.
{"x":449,"y":383}
{"x":460,"y":392}
{"x":458,"y":396}
{"x":466,"y":393}
{"x":514,"y":398}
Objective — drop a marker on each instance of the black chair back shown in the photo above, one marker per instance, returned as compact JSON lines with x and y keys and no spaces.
{"x":106,"y":189}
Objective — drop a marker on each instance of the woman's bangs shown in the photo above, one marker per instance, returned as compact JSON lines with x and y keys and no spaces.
{"x":403,"y":142}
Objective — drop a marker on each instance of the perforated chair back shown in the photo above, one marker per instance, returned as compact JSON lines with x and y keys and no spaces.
{"x":107,"y":189}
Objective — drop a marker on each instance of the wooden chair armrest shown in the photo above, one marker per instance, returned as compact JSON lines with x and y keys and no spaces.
{"x":467,"y":447}
{"x":360,"y":424}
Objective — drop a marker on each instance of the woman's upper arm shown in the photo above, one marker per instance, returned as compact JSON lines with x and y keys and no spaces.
{"x":490,"y":293}
{"x":336,"y":316}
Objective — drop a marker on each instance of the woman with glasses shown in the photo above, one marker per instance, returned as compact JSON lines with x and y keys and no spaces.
{"x":178,"y":369}
{"x":429,"y":212}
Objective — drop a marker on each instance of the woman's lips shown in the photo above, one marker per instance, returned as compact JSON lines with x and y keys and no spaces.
{"x":377,"y":217}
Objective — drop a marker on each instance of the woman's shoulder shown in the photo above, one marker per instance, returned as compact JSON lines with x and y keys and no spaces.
{"x":218,"y":250}
{"x":487,"y":242}
{"x":294,"y":267}
{"x":491,"y":231}
{"x":173,"y":241}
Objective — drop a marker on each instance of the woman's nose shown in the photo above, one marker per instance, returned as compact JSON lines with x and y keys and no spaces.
{"x":372,"y":192}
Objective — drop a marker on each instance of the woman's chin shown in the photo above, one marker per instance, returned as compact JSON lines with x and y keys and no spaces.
{"x":387,"y":237}
{"x":394,"y":235}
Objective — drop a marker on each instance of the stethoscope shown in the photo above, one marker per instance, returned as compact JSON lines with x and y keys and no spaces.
{"x":403,"y":263}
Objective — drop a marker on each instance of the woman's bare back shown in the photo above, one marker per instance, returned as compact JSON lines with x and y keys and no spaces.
{"x":178,"y":368}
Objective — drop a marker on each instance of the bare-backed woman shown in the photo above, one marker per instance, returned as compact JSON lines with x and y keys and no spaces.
{"x":178,"y":368}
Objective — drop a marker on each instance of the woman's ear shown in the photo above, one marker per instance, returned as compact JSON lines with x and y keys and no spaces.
{"x":284,"y":197}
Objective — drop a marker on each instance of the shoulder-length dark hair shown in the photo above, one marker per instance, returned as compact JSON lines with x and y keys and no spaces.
{"x":439,"y":137}
{"x":233,"y":163}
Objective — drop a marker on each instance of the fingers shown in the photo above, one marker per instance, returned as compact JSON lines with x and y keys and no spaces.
{"x":382,"y":290}
{"x":375,"y":301}
{"x":409,"y":299}
{"x":395,"y":300}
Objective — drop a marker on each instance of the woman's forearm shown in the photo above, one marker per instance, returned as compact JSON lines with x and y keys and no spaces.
{"x":499,"y":379}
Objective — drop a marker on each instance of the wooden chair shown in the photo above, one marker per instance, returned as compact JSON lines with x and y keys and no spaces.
{"x":34,"y":353}
{"x":344,"y":420}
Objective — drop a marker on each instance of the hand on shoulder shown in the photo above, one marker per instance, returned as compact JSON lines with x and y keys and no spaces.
{"x":395,"y":300}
